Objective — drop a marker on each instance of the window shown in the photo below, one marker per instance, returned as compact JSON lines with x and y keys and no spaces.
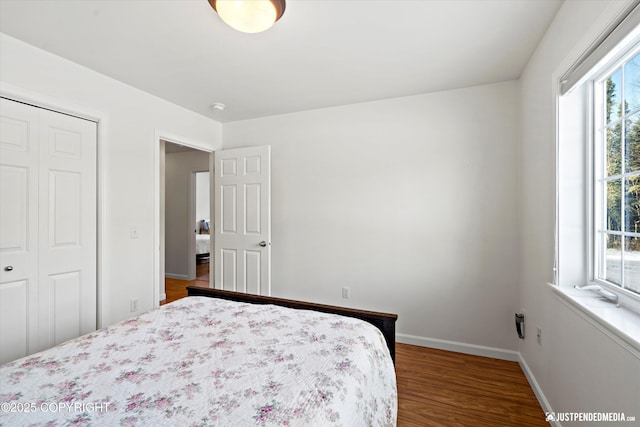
{"x":616,"y":239}
{"x":597,"y":234}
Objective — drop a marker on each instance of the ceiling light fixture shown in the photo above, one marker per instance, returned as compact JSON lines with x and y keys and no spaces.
{"x":249,"y":16}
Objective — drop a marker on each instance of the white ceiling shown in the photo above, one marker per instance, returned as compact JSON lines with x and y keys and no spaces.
{"x":321,"y":53}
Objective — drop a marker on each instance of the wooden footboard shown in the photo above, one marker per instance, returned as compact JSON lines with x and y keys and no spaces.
{"x":386,"y":322}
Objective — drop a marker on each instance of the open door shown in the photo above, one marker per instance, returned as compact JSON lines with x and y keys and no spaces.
{"x":242,"y":220}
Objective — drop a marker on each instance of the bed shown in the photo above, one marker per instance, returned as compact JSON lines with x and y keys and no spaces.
{"x":203,"y":232}
{"x":212,"y":360}
{"x":202,"y":248}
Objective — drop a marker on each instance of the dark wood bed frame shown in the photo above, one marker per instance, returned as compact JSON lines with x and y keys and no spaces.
{"x":384,"y":321}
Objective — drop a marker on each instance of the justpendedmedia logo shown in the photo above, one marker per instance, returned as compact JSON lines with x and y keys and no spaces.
{"x":588,"y":417}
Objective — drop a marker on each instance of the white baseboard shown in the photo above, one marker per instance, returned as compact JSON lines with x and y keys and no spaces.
{"x":177,"y":276}
{"x":476,"y":350}
{"x":542,"y":399}
{"x":163,"y":296}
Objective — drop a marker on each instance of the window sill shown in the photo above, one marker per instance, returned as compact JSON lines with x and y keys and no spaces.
{"x":619,"y":323}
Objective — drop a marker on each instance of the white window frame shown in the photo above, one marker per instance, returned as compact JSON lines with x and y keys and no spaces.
{"x":575,"y":215}
{"x":596,"y":206}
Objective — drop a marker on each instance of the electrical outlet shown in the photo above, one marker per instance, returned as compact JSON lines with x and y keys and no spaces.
{"x":133,"y":305}
{"x":346,"y":292}
{"x":539,"y":336}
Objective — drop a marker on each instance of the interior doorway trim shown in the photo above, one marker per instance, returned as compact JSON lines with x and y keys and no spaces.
{"x":40,"y":100}
{"x":160,"y":135}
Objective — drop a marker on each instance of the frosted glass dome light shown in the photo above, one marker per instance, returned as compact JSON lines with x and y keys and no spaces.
{"x":249,"y":16}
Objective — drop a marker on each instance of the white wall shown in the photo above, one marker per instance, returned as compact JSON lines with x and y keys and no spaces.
{"x":128,"y":147}
{"x":180,"y":219}
{"x":578,"y":367}
{"x":411,"y":202}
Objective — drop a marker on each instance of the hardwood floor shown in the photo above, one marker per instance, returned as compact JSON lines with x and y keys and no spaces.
{"x":442,"y":388}
{"x":176,"y":289}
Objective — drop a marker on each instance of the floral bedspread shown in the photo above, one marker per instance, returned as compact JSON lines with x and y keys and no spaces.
{"x":209,"y":362}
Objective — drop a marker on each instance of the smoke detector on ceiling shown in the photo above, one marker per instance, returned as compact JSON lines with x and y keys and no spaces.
{"x":217,"y":106}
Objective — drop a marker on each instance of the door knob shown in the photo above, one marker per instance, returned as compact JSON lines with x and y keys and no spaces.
{"x":8,"y":268}
{"x":262,"y":244}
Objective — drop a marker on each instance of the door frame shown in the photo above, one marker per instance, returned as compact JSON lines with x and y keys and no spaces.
{"x":158,"y":275}
{"x":101,"y":119}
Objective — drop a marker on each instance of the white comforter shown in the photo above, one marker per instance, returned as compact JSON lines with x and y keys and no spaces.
{"x":209,"y":362}
{"x":202,"y":243}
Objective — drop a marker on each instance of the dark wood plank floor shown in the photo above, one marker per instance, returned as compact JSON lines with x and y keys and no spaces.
{"x":441,"y":388}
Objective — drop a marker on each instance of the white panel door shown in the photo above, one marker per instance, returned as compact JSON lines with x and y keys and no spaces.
{"x":47,"y":228}
{"x":19,"y":141}
{"x":67,"y":228}
{"x":242,"y":220}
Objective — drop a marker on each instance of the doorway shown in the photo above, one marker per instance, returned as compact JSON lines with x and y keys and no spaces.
{"x":202,"y":218}
{"x":185,"y":244}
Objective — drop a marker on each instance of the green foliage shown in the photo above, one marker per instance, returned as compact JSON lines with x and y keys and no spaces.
{"x":614,"y":167}
{"x":611,"y":93}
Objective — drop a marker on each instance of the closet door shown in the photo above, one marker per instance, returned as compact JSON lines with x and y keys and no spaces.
{"x":47,"y":228}
{"x":19,"y":141}
{"x":67,"y":228}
